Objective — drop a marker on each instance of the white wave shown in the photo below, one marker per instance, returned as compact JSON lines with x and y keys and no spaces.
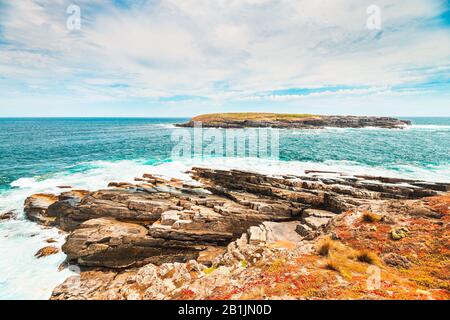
{"x":429,"y":127}
{"x":166,"y":125}
{"x":22,"y":276}
{"x":276,"y":167}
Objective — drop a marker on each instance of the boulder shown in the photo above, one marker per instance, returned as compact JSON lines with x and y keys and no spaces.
{"x":106,"y":242}
{"x":36,"y":206}
{"x":46,"y":251}
{"x":8,"y":215}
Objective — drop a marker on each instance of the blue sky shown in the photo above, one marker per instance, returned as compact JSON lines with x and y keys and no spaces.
{"x":185,"y":57}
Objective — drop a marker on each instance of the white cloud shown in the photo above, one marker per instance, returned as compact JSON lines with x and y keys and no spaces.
{"x":224,"y":50}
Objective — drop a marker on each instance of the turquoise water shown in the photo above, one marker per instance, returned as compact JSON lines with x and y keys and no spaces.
{"x":41,"y":147}
{"x":38,"y":155}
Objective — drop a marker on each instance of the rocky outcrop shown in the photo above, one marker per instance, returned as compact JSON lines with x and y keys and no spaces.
{"x":223,"y":220}
{"x":272,"y":261}
{"x":46,"y":251}
{"x":106,"y":242}
{"x":185,"y":280}
{"x":293,"y":121}
{"x":158,"y":221}
{"x":36,"y":206}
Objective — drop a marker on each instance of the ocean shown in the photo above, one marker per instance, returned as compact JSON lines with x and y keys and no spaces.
{"x":40,"y":154}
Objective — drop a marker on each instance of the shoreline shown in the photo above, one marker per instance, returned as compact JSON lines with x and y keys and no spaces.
{"x":291,"y":121}
{"x":121,"y":188}
{"x":94,"y":176}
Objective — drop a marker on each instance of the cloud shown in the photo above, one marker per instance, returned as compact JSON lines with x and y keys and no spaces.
{"x":224,"y":51}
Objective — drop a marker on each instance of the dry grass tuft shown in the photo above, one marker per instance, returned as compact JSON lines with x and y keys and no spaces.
{"x":368,"y":257}
{"x":324,"y":246}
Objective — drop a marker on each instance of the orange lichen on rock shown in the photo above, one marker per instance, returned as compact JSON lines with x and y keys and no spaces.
{"x":362,"y":261}
{"x":439,"y":204}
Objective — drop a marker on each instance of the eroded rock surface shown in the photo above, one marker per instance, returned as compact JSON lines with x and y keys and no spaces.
{"x":36,"y":208}
{"x":175,"y":233}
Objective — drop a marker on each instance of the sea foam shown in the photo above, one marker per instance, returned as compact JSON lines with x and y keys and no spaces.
{"x":25,"y":277}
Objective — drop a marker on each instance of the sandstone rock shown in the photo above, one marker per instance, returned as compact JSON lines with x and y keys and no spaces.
{"x":169,"y":217}
{"x":201,"y":237}
{"x":121,"y":204}
{"x":211,"y":254}
{"x":315,"y":223}
{"x":424,"y":212}
{"x":396,"y":260}
{"x":36,"y":207}
{"x":305,"y":230}
{"x":257,"y":235}
{"x":231,"y":221}
{"x":46,"y":251}
{"x":318,"y":213}
{"x":106,"y":242}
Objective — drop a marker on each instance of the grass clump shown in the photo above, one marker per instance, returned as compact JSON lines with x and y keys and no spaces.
{"x":209,"y":270}
{"x":399,"y":233}
{"x":345,"y":260}
{"x":251,"y":116}
{"x":369,"y":257}
{"x":324,"y":246}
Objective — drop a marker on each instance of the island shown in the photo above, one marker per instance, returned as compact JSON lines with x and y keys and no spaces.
{"x":231,"y":234}
{"x":292,"y":121}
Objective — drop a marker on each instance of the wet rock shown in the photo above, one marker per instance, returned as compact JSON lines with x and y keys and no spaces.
{"x":46,"y":251}
{"x":228,"y":220}
{"x":8,"y":215}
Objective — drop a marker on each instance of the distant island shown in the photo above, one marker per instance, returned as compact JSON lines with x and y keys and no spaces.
{"x":294,"y":121}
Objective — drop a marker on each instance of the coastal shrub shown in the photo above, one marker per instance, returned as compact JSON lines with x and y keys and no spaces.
{"x":209,"y":270}
{"x":371,"y":217}
{"x":399,"y":233}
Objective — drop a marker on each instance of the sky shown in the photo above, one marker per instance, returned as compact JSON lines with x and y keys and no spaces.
{"x":179,"y":58}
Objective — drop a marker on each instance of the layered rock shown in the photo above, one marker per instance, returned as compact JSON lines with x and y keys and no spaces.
{"x":272,"y":120}
{"x":272,"y":261}
{"x":222,"y":218}
{"x":36,"y":206}
{"x":106,"y":242}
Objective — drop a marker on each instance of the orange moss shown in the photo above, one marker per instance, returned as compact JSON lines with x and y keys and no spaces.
{"x":339,"y":269}
{"x":439,"y":204}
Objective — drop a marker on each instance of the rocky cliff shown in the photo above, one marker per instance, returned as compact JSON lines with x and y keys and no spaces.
{"x":235,"y":234}
{"x":272,"y":120}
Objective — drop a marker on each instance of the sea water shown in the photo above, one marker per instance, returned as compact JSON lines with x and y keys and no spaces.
{"x":39,"y":155}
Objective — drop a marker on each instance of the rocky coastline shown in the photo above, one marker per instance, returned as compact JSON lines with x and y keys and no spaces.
{"x":235,"y":234}
{"x":292,"y":121}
